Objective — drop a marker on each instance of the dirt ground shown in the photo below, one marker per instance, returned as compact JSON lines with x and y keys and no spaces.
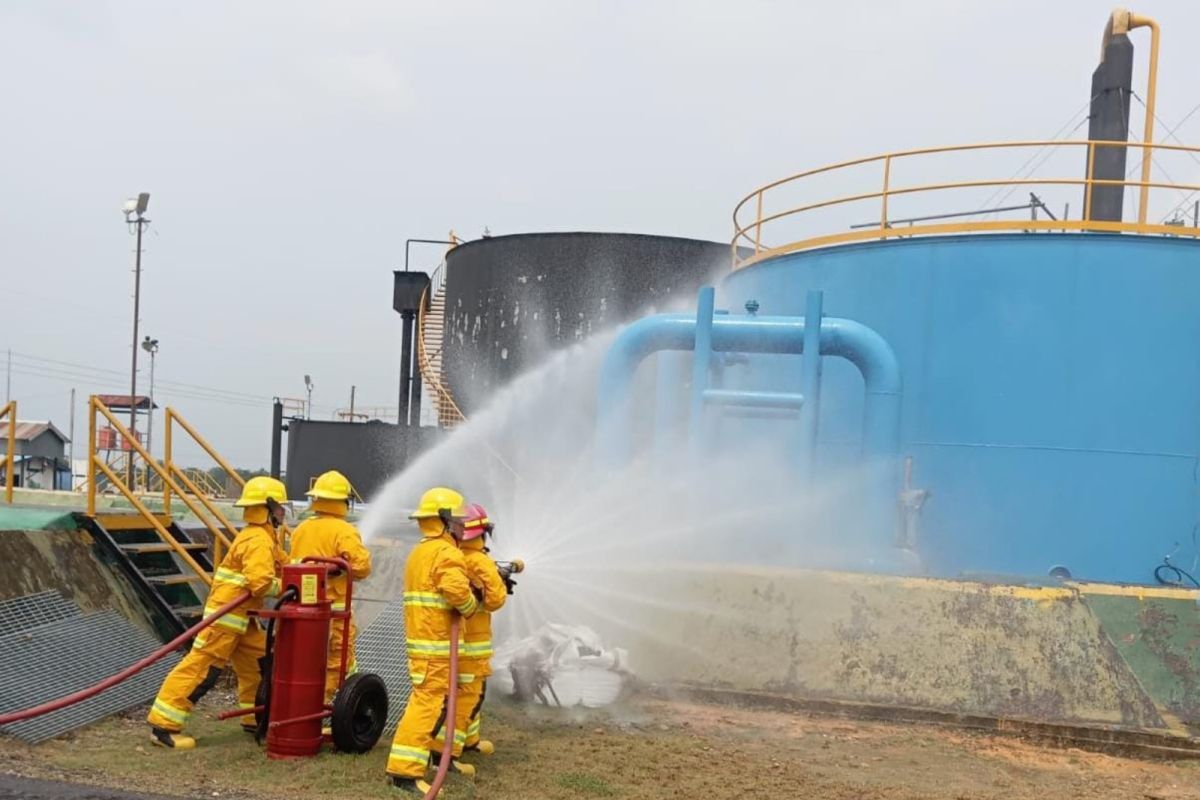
{"x":647,"y":748}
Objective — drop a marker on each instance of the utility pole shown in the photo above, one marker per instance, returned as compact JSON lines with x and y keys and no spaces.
{"x":135,"y":211}
{"x":71,"y":434}
{"x":308,"y":384}
{"x":352,"y":403}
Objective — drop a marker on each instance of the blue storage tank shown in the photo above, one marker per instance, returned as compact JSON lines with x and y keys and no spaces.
{"x":1051,"y":390}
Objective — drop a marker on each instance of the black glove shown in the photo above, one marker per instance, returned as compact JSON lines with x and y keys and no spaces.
{"x":509,"y":583}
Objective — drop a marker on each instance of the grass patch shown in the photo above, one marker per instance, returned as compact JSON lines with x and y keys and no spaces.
{"x":586,"y":784}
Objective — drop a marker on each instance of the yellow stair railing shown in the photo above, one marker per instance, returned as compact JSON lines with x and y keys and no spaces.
{"x":429,"y":358}
{"x":173,"y":419}
{"x":9,"y":412}
{"x":204,"y":482}
{"x":96,"y":463}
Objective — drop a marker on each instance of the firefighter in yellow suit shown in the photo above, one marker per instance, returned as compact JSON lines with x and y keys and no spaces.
{"x":251,"y":564}
{"x":436,"y":586}
{"x":329,"y":535}
{"x":475,"y":660}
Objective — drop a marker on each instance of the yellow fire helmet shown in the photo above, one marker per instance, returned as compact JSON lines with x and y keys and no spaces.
{"x":437,"y":500}
{"x":258,"y":490}
{"x":331,"y":485}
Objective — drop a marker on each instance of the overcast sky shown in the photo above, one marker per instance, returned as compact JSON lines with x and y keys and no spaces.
{"x":291,"y":148}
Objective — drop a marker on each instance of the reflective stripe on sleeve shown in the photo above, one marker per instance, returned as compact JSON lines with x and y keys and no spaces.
{"x":468,"y":608}
{"x":425,"y":599}
{"x":226,"y":575}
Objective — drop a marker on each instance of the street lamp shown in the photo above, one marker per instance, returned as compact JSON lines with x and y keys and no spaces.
{"x":308,"y":384}
{"x":135,"y":217}
{"x":151,"y":347}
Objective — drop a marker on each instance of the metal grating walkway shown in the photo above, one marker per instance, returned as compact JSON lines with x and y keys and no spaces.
{"x":33,"y":610}
{"x":42,"y":662}
{"x":380,"y":649}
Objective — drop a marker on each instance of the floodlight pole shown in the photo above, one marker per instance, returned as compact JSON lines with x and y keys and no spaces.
{"x":140,"y":223}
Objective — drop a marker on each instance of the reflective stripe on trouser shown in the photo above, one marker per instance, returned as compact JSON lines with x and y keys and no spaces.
{"x":470,"y":701}
{"x":409,"y":755}
{"x":334,"y":664}
{"x":214,"y":647}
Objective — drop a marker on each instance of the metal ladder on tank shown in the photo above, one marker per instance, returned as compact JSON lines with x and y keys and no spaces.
{"x":430,"y":345}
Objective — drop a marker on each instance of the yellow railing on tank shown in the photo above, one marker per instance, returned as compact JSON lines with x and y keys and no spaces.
{"x":755,"y":220}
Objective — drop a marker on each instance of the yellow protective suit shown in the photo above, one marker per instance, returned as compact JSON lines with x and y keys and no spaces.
{"x":252,"y":563}
{"x":475,"y":652}
{"x":329,"y":535}
{"x":435,"y":585}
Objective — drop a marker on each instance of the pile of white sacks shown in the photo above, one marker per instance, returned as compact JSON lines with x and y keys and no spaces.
{"x":560,"y":665}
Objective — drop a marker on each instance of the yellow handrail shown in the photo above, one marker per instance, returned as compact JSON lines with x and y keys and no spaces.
{"x":748,"y":232}
{"x":10,"y":411}
{"x":448,"y":410}
{"x":210,"y":506}
{"x":173,"y":417}
{"x":94,"y":461}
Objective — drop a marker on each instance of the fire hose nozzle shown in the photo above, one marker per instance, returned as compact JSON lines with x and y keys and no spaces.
{"x":508,"y":569}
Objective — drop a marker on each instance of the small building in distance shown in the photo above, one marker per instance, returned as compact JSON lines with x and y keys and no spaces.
{"x":40,"y":459}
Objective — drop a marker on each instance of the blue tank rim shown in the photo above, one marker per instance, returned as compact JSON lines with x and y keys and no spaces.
{"x":920,"y":241}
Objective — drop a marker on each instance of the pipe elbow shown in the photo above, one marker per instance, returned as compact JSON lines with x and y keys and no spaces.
{"x":1141,"y":21}
{"x":641,"y":338}
{"x":866,"y":349}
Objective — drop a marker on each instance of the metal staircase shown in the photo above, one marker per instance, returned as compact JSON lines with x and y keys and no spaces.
{"x":430,"y":345}
{"x":174,"y":591}
{"x":171,"y":569}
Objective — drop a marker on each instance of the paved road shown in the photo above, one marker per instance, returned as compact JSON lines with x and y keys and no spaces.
{"x":14,"y":788}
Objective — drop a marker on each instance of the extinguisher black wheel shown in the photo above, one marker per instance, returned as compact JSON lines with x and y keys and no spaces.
{"x":262,"y":698}
{"x":360,"y":711}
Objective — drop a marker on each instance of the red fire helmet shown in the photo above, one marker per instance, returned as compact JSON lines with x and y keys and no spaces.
{"x":475,"y":522}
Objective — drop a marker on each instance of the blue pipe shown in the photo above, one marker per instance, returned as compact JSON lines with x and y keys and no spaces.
{"x":855,"y":342}
{"x":704,"y":334}
{"x":810,"y":386}
{"x":701,"y":363}
{"x":737,"y":397}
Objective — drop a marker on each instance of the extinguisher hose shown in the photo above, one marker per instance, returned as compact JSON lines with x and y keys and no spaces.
{"x":451,"y":709}
{"x":131,"y":670}
{"x":268,"y":664}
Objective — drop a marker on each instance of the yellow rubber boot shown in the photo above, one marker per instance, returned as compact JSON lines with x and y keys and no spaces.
{"x":411,"y":787}
{"x":171,"y":739}
{"x":483,"y":747}
{"x":466,"y":770}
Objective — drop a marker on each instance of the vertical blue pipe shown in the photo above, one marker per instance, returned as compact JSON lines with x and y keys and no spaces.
{"x":810,"y":384}
{"x":672,"y":371}
{"x":701,"y":362}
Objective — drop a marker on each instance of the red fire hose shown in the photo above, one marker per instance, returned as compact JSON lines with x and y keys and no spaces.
{"x":451,"y":708}
{"x":133,"y":669}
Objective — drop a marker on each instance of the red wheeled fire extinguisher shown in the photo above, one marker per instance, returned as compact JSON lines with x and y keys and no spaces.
{"x":291,"y":704}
